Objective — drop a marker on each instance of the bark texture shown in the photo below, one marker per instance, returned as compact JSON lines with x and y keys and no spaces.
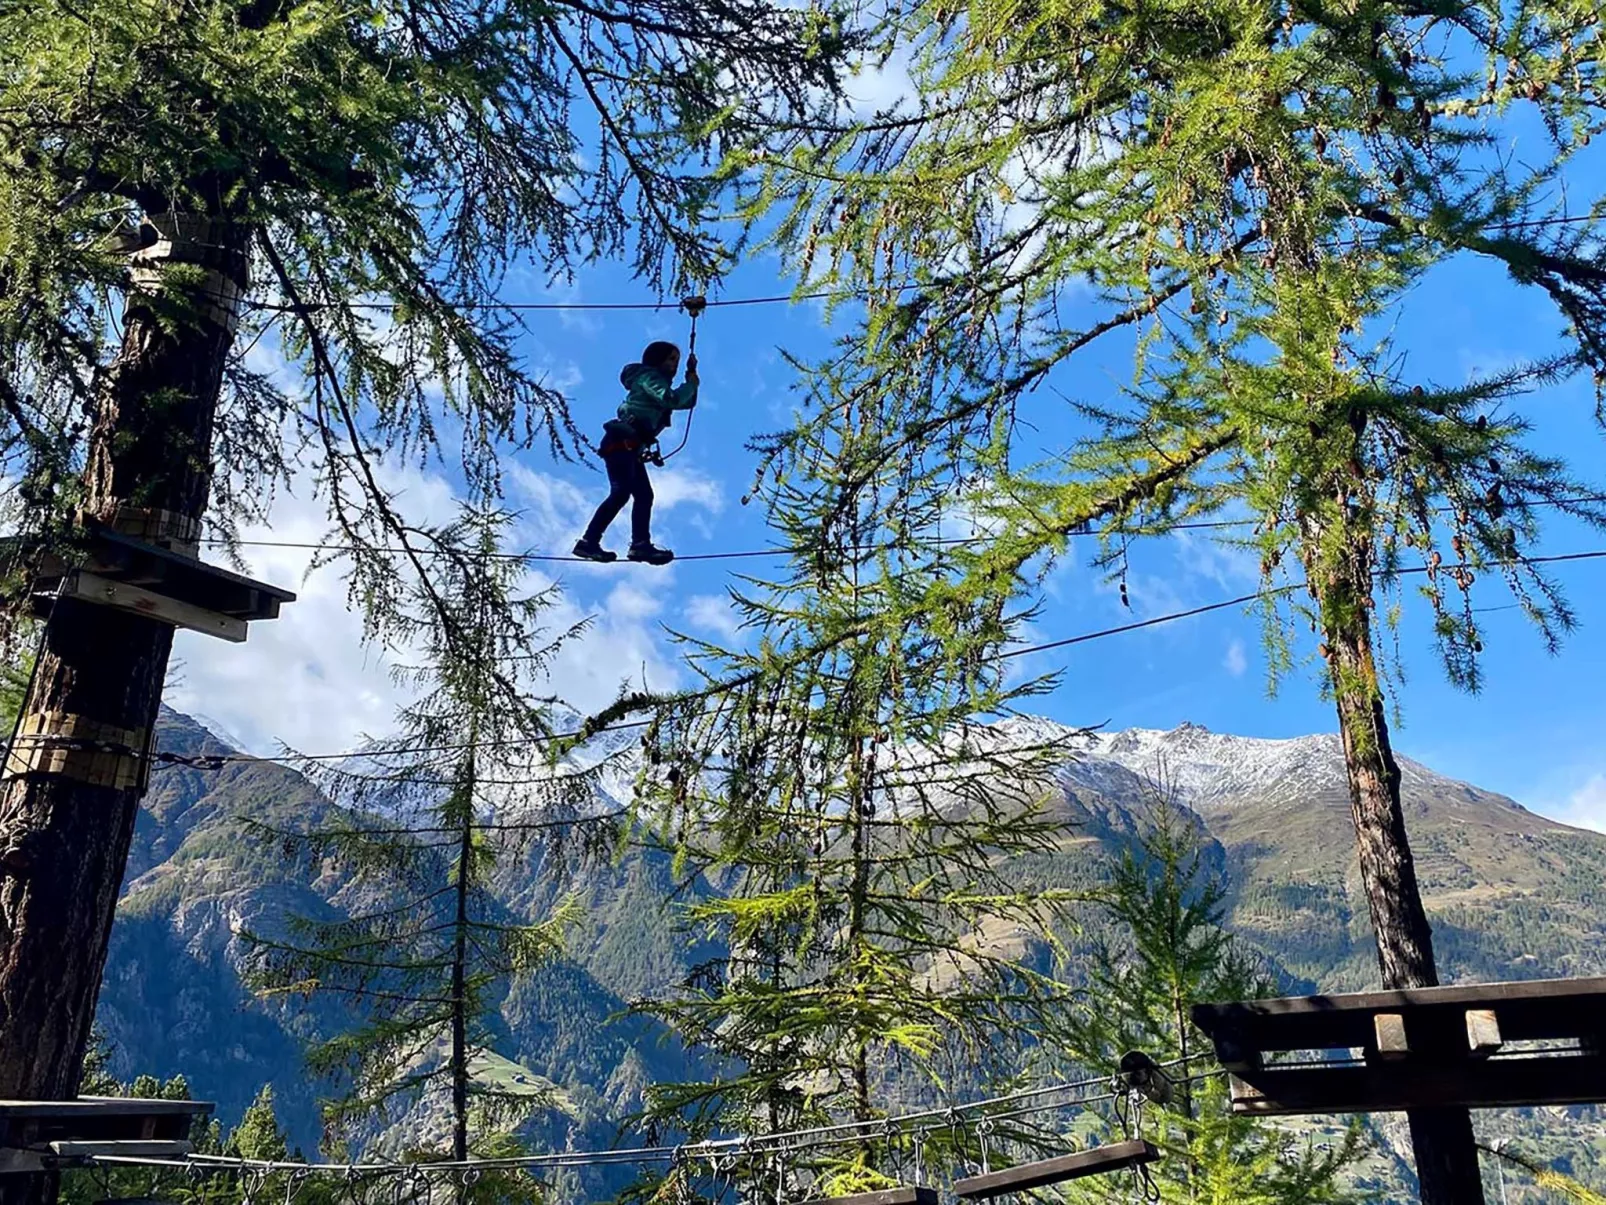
{"x":64,"y":841}
{"x":1441,"y":1139}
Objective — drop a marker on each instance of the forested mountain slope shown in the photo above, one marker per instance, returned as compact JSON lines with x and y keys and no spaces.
{"x":1511,"y":895}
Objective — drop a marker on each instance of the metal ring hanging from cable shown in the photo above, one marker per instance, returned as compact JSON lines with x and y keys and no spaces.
{"x":693,"y":306}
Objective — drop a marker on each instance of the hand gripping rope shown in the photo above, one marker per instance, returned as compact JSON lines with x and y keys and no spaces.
{"x":692,"y":306}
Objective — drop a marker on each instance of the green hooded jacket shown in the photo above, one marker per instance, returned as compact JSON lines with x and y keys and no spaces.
{"x":651,"y":397}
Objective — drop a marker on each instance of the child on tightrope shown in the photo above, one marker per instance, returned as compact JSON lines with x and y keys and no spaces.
{"x":651,"y":397}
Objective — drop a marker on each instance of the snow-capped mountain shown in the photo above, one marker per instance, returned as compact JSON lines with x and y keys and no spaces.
{"x":1213,"y":772}
{"x":1204,"y":767}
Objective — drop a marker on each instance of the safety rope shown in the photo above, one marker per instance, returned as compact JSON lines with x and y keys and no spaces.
{"x":694,"y":307}
{"x":889,"y":545}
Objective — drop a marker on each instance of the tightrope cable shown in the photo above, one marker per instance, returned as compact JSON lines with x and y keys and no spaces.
{"x":779,"y":551}
{"x":217,"y":761}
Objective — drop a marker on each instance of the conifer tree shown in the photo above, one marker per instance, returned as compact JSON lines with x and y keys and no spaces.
{"x":82,"y":1186}
{"x":852,"y":814}
{"x":178,"y":181}
{"x":1161,"y":949}
{"x":1251,"y":191}
{"x":1551,"y":1184}
{"x":424,"y":952}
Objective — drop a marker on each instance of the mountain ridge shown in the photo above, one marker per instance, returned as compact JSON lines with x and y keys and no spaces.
{"x":1511,"y":894}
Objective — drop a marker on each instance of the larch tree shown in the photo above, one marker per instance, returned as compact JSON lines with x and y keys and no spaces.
{"x":422,"y":952}
{"x":853,"y":816}
{"x":180,"y":180}
{"x":1251,"y":190}
{"x":1162,"y":948}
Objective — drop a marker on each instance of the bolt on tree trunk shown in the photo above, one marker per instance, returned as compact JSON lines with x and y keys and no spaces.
{"x":1441,"y":1139}
{"x":67,"y":816}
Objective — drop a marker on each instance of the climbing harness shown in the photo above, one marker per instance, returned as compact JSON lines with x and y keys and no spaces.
{"x":693,"y":306}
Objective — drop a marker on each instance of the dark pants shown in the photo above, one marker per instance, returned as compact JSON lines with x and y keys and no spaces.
{"x":627,"y":479}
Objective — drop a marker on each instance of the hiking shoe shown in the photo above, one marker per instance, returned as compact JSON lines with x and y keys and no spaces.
{"x":590,"y":550}
{"x":650,"y":555}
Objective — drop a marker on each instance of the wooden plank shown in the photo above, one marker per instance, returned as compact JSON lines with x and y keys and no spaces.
{"x":1388,"y":1035}
{"x":116,"y":557}
{"x":13,"y":1160}
{"x":104,"y":592}
{"x":1483,"y":1032}
{"x":89,"y":1148}
{"x":103,"y":1106}
{"x":208,"y":586}
{"x":31,"y":1128}
{"x":904,"y":1194}
{"x":1097,"y":1161}
{"x":1500,"y":1083}
{"x":1529,"y":1010}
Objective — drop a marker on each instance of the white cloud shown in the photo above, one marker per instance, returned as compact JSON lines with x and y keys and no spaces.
{"x":565,"y":377}
{"x":308,"y":680}
{"x":880,"y":87}
{"x":686,"y":487}
{"x":714,"y":614}
{"x":552,"y":511}
{"x":1149,"y":595}
{"x":1586,"y":806}
{"x":627,"y":602}
{"x":562,"y":292}
{"x":619,"y":650}
{"x":1236,"y":661}
{"x":1224,"y":565}
{"x":305,"y":679}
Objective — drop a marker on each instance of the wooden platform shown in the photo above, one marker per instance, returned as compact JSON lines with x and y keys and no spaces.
{"x":902,"y":1195}
{"x":1026,"y":1176}
{"x":39,"y":1133}
{"x":133,"y":575}
{"x":1419,"y":1048}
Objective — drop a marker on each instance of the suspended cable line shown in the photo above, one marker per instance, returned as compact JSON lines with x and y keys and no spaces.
{"x":217,"y":761}
{"x":956,"y":284}
{"x":780,"y":1141}
{"x":313,"y":546}
{"x":626,"y":306}
{"x":1278,"y":591}
{"x":776,"y":551}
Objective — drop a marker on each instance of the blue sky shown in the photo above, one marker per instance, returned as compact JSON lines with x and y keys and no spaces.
{"x":1533,"y":733}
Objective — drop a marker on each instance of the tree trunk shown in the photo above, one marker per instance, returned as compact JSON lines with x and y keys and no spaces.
{"x":1404,"y":937}
{"x":859,"y":789}
{"x":1446,"y":1157}
{"x":465,"y":855}
{"x":67,"y":814}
